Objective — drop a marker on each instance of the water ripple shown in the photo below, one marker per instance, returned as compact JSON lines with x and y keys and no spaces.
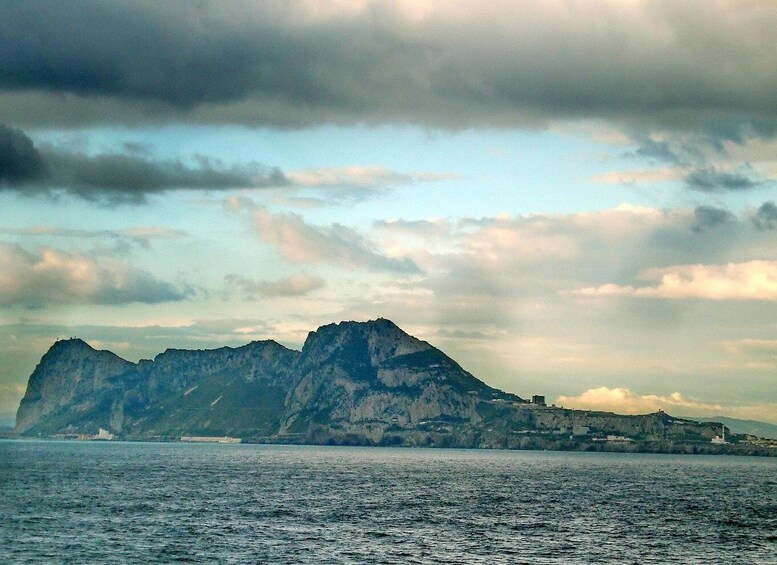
{"x":77,"y":502}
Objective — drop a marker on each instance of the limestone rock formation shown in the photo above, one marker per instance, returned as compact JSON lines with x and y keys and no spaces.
{"x":352,"y":383}
{"x":71,"y":372}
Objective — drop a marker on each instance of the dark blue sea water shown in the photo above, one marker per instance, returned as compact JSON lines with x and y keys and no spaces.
{"x":88,"y":502}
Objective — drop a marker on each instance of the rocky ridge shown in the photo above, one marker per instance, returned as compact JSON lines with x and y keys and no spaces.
{"x":364,"y":383}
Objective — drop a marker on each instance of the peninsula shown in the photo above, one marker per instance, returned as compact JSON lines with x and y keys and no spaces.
{"x":353,"y":383}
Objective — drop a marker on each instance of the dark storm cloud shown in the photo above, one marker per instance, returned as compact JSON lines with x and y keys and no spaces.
{"x":656,"y":150}
{"x":708,"y":217}
{"x":20,"y":161}
{"x":705,"y":155}
{"x":116,"y":177}
{"x":711,"y":180}
{"x":126,"y":176}
{"x":737,"y":131}
{"x":766,"y":216}
{"x":449,"y":64}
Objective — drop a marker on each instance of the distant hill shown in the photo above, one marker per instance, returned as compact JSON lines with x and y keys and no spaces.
{"x":750,"y":427}
{"x":354,"y":383}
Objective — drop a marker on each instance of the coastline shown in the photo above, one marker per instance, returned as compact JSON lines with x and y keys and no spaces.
{"x":742,"y":449}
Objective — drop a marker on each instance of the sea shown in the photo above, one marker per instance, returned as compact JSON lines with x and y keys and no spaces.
{"x":117,"y":502}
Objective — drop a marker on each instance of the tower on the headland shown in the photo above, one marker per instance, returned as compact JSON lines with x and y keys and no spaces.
{"x":721,"y":439}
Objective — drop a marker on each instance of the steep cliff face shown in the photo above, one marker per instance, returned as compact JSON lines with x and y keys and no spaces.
{"x":375,"y":376}
{"x":226,"y":391}
{"x":71,"y":371}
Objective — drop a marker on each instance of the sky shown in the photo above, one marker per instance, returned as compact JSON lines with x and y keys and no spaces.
{"x":570,"y":198}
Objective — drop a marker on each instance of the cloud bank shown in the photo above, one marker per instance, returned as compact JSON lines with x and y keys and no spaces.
{"x":440,"y":63}
{"x":483,"y":262}
{"x":141,"y":235}
{"x":624,"y":401}
{"x":57,"y":277}
{"x":293,"y":286}
{"x":116,"y":176}
{"x":336,"y":244}
{"x":358,"y":177}
{"x":754,"y":280}
{"x":129,"y":176}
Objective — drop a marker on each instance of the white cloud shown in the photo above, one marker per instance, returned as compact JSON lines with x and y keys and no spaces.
{"x":748,"y":354}
{"x":301,"y":242}
{"x":58,"y":277}
{"x":624,"y":401}
{"x":753,"y":280}
{"x":513,"y":270}
{"x":295,"y":285}
{"x":520,"y":276}
{"x":358,"y":177}
{"x":141,"y":235}
{"x":641,"y":175}
{"x":742,"y":346}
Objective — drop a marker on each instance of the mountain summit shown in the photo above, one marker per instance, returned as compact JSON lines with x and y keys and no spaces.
{"x":70,"y":370}
{"x":352,"y":383}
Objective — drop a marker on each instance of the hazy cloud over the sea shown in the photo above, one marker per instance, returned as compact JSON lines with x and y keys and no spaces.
{"x":625,"y":401}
